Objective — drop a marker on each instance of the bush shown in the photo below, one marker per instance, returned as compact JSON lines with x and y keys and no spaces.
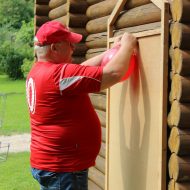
{"x":13,"y":68}
{"x":17,"y":51}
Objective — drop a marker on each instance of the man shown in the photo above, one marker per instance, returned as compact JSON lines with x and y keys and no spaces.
{"x":66,"y":133}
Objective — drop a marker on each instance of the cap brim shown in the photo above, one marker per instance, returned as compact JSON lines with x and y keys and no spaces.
{"x":74,"y":37}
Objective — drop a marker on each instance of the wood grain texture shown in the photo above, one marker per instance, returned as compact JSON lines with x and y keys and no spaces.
{"x":179,"y":141}
{"x":180,"y":10}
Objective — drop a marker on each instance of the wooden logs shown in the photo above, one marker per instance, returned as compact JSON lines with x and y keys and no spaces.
{"x":93,"y":186}
{"x":103,"y":134}
{"x":77,"y":20}
{"x":104,"y":8}
{"x":97,"y":176}
{"x":98,"y":40}
{"x":42,"y":10}
{"x":180,"y":10}
{"x":180,"y":61}
{"x":136,"y":3}
{"x":180,"y":89}
{"x":178,"y":186}
{"x":63,"y":20}
{"x":42,"y":2}
{"x":179,"y":141}
{"x":179,"y":115}
{"x":179,"y":168}
{"x":103,"y":150}
{"x":73,"y":20}
{"x":140,"y":28}
{"x":77,"y":6}
{"x":182,"y":186}
{"x":81,"y":31}
{"x":92,"y":2}
{"x":56,"y":3}
{"x":101,"y":9}
{"x":138,"y":16}
{"x":102,"y":117}
{"x":58,"y":12}
{"x":171,"y":185}
{"x":100,"y":164}
{"x":80,"y":49}
{"x":180,"y":34}
{"x":98,"y":101}
{"x":78,"y":59}
{"x":41,"y":20}
{"x":93,"y":52}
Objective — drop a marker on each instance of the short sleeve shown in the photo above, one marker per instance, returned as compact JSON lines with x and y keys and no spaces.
{"x":73,"y":78}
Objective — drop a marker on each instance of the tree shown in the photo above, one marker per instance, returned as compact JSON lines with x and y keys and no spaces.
{"x":16,"y":36}
{"x":12,"y":13}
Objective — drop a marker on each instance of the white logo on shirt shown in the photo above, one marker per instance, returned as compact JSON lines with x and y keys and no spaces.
{"x":31,"y":95}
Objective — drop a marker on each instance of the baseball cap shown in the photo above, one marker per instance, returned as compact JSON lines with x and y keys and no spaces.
{"x":54,"y":32}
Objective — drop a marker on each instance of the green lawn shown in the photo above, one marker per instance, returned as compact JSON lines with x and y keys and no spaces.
{"x":15,"y":173}
{"x":13,"y":108}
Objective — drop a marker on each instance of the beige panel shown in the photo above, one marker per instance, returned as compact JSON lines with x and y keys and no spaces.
{"x":135,"y":123}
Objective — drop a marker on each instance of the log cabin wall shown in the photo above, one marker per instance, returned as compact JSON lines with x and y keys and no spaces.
{"x":72,"y":13}
{"x":137,"y":16}
{"x":179,"y":115}
{"x":96,"y":42}
{"x":41,"y":11}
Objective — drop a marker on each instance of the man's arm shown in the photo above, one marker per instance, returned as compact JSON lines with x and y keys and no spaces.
{"x":116,"y":68}
{"x":94,"y":61}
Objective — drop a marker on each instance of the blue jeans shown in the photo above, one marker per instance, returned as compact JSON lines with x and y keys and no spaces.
{"x":61,"y":181}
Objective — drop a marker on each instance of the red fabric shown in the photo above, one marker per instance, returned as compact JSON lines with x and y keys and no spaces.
{"x":53,"y":32}
{"x":66,"y":132}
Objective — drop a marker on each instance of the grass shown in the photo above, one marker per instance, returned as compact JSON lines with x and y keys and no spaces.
{"x":13,"y":107}
{"x":15,"y":173}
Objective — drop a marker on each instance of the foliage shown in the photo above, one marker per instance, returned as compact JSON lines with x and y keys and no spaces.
{"x":15,"y":173}
{"x":16,"y":37}
{"x":24,"y":44}
{"x":13,"y":12}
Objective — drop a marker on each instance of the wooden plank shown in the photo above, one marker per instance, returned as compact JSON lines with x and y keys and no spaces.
{"x":144,"y":14}
{"x":158,"y":3}
{"x":92,"y":2}
{"x":103,"y":134}
{"x":98,"y":101}
{"x":102,"y":117}
{"x":180,"y":89}
{"x":101,"y":9}
{"x":180,"y":10}
{"x":56,"y":3}
{"x":103,"y":150}
{"x":179,"y":115}
{"x":100,"y":164}
{"x":99,"y":40}
{"x":142,"y":34}
{"x":179,"y":168}
{"x":179,"y":141}
{"x":93,"y":186}
{"x":97,"y":177}
{"x":58,"y":12}
{"x":42,"y":10}
{"x":134,"y":127}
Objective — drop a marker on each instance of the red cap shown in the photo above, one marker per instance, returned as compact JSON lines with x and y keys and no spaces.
{"x":54,"y":32}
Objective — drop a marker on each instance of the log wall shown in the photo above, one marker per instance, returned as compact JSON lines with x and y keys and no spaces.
{"x":178,"y":117}
{"x":137,"y":16}
{"x":72,"y":13}
{"x":41,"y":11}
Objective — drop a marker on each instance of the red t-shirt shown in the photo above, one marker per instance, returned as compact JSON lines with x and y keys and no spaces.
{"x":65,"y":129}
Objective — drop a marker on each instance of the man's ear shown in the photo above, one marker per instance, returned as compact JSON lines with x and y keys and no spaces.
{"x":53,"y":47}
